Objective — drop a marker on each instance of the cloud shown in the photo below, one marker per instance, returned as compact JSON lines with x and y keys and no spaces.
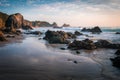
{"x":4,"y":3}
{"x":77,"y":12}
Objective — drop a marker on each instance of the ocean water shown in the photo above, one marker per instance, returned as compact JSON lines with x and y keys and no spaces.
{"x":35,"y":59}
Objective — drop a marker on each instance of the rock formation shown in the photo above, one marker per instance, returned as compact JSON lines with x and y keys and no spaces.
{"x":58,"y":37}
{"x":65,"y":25}
{"x":2,"y":37}
{"x":96,"y":29}
{"x":3,"y":18}
{"x":85,"y":44}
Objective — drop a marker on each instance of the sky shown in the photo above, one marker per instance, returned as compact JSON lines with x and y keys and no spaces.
{"x":104,"y":13}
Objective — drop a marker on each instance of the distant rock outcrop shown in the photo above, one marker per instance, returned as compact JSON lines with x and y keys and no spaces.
{"x":41,"y":24}
{"x":54,"y":24}
{"x":65,"y":25}
{"x":96,"y":29}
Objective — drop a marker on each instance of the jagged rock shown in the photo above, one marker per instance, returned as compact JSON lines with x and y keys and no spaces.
{"x":106,"y":44}
{"x":116,"y":61}
{"x":117,"y":52}
{"x":14,"y":22}
{"x":78,"y":33}
{"x":85,"y":44}
{"x":65,"y":25}
{"x":96,"y":29}
{"x":57,"y":37}
{"x":54,"y":24}
{"x":2,"y":37}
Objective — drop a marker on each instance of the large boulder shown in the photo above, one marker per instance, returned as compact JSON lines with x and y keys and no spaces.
{"x":96,"y":29}
{"x":2,"y":37}
{"x":85,"y":44}
{"x":57,"y":37}
{"x":116,"y":61}
{"x":14,"y":22}
{"x":106,"y":44}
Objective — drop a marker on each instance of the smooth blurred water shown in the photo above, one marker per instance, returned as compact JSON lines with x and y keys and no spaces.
{"x":35,"y":59}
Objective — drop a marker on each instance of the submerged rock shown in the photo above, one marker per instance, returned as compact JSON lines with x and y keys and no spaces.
{"x":85,"y":44}
{"x":2,"y":37}
{"x":57,"y":37}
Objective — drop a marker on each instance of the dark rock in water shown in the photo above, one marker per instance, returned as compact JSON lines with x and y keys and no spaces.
{"x":27,"y":27}
{"x":116,"y":61}
{"x":117,"y":33}
{"x":62,"y":48}
{"x":85,"y":44}
{"x":96,"y":29}
{"x":85,"y":30}
{"x":2,"y":37}
{"x":57,"y":37}
{"x":102,"y":43}
{"x":78,"y":33}
{"x":77,"y":52}
{"x":106,"y":44}
{"x":34,"y":32}
{"x":75,"y":62}
{"x":117,"y":52}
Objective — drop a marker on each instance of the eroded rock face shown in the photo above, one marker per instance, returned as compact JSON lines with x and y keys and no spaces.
{"x":58,"y":37}
{"x":96,"y":29}
{"x":85,"y":44}
{"x":14,"y":22}
{"x":2,"y":37}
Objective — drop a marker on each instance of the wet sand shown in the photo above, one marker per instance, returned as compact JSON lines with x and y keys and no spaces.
{"x":34,"y":59}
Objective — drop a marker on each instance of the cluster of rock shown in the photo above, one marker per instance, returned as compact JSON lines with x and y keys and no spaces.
{"x":89,"y":44}
{"x":58,"y":37}
{"x":96,"y":29}
{"x":116,"y":60}
{"x":84,"y":44}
